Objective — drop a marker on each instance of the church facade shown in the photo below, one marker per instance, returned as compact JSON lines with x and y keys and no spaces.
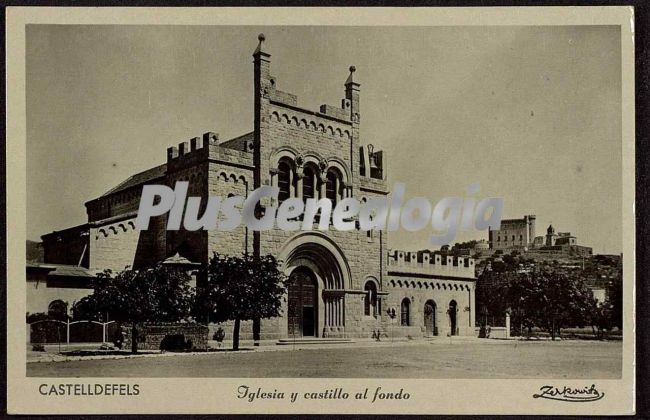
{"x":342,"y":283}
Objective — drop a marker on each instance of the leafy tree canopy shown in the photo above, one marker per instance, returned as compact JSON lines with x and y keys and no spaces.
{"x":160,"y":294}
{"x":157,"y":294}
{"x":240,"y":288}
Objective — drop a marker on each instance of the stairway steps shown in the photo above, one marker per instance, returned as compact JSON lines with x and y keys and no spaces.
{"x":303,"y":340}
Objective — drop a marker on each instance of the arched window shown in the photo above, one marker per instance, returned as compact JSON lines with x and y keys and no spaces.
{"x":334,"y":186}
{"x":406,"y":312}
{"x":284,"y":180}
{"x":309,"y":182}
{"x":370,"y":302}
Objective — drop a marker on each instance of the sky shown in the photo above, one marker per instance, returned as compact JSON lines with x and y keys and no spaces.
{"x":532,"y":114}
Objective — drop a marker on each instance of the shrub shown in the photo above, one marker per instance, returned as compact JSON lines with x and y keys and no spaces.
{"x":106,"y":346}
{"x":219,"y":335}
{"x":175,"y":342}
{"x":118,"y":338}
{"x":38,"y":316}
{"x":38,"y":347}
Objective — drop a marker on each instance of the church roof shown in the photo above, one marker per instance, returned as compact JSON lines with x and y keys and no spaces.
{"x":139,"y":178}
{"x":64,"y":270}
{"x":177,"y":259}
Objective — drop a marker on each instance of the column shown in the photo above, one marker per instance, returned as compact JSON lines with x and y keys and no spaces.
{"x":472,"y":307}
{"x":274,"y":183}
{"x":299,"y":185}
{"x":336,"y":312}
{"x":323,"y":186}
{"x":328,"y":312}
{"x":292,"y":177}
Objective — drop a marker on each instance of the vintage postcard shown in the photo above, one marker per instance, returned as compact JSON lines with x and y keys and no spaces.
{"x":320,"y":210}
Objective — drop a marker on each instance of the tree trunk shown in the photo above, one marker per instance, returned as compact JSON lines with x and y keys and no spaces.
{"x":235,"y":336}
{"x":553,"y":330}
{"x":257,"y":327}
{"x":134,"y":339}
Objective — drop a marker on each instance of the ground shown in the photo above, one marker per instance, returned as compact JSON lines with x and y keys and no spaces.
{"x":424,"y":359}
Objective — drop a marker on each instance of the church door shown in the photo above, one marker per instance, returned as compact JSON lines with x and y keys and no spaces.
{"x":302,"y":318}
{"x":430,"y":318}
{"x":453,"y":311}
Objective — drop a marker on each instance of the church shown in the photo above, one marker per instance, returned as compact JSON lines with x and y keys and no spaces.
{"x":342,"y":284}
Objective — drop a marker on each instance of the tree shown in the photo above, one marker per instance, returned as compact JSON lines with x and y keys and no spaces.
{"x":546,"y":298}
{"x":615,"y":300}
{"x":238,"y":288}
{"x":491,"y":288}
{"x":552,"y":300}
{"x":459,"y":246}
{"x":160,"y":294}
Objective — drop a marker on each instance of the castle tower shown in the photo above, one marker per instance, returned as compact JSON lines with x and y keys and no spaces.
{"x":550,"y":236}
{"x":531,"y":228}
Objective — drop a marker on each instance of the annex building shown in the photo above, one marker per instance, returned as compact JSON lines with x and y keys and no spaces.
{"x":342,"y":284}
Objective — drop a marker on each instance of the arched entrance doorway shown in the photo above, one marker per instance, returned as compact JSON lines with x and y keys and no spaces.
{"x":302,"y":299}
{"x":453,"y":310}
{"x":319,"y":273}
{"x":430,"y":318}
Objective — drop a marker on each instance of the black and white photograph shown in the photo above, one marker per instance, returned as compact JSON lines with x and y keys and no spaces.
{"x":274,"y":201}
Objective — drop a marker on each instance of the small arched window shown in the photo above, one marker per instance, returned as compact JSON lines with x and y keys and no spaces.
{"x":406,"y":312}
{"x":284,"y":180}
{"x":309,"y":182}
{"x":334,"y":186}
{"x":370,"y":301}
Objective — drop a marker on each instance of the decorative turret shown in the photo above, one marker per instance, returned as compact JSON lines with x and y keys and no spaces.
{"x":262,"y":63}
{"x":352,"y":94}
{"x":260,"y":47}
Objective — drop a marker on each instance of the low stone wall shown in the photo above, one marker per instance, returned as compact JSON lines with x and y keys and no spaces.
{"x":270,"y":329}
{"x":493,"y":332}
{"x":150,"y":336}
{"x":498,"y":332}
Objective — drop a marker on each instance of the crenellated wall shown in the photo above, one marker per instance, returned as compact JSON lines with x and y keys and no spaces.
{"x":430,"y":263}
{"x":444,"y":283}
{"x":212,"y":169}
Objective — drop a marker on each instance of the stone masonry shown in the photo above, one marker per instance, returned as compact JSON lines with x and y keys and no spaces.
{"x":350,"y":280}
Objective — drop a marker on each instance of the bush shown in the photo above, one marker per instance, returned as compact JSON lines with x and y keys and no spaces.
{"x":106,"y":347}
{"x":118,"y":338}
{"x":219,"y":335}
{"x":38,"y":347}
{"x":38,"y":316}
{"x":175,"y":342}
